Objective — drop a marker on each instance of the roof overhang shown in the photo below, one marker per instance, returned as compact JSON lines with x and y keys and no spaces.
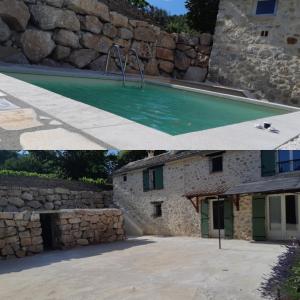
{"x":282,"y":184}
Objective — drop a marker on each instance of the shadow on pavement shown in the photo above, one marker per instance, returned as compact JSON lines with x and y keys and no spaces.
{"x":55,"y":256}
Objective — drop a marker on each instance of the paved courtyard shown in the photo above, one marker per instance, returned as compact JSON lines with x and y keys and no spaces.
{"x":143,"y":268}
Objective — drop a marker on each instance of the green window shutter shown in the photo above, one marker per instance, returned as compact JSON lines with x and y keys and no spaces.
{"x":228,"y":218}
{"x":146,"y":180}
{"x":258,"y":218}
{"x":268,"y":163}
{"x":204,"y":219}
{"x":159,"y":178}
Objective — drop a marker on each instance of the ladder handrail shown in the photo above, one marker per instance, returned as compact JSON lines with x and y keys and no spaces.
{"x":117,"y":47}
{"x":138,"y":62}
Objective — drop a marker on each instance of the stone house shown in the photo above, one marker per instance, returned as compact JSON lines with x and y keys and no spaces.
{"x":246,"y":194}
{"x":257,"y":47}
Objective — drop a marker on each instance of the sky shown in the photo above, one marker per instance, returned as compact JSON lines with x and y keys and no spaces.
{"x":174,"y":7}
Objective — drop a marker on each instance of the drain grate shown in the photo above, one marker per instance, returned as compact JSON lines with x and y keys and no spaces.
{"x":6,"y":105}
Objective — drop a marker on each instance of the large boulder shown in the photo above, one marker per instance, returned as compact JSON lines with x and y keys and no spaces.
{"x":4,"y":31}
{"x":91,"y":41}
{"x":118,"y":20}
{"x":206,"y":39}
{"x":166,"y":40}
{"x":91,"y":23}
{"x":144,"y":50}
{"x":104,"y":44}
{"x":61,"y":52}
{"x":66,"y":38}
{"x":195,"y":74}
{"x":151,"y":68}
{"x":37,"y":44}
{"x":100,"y":64}
{"x":89,"y":7}
{"x":14,"y":13}
{"x":125,"y":33}
{"x":47,"y":18}
{"x":12,"y":55}
{"x":145,"y":34}
{"x":110,"y":30}
{"x":165,"y":54}
{"x":56,"y":3}
{"x":182,"y":62}
{"x":166,"y":66}
{"x":81,"y":58}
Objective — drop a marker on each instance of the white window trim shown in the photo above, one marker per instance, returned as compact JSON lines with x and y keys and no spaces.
{"x":264,"y":15}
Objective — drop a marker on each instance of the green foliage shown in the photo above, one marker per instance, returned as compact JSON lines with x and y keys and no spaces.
{"x":98,"y":181}
{"x":202,"y":14}
{"x":139,"y":3}
{"x":178,"y":24}
{"x":27,"y":174}
{"x":292,"y":285}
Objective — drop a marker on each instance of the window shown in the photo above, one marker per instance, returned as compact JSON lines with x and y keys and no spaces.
{"x":216,"y":164}
{"x":291,"y":209}
{"x":125,"y":178}
{"x":288,"y":161}
{"x":153,"y":179}
{"x":266,"y":7}
{"x":157,"y":211}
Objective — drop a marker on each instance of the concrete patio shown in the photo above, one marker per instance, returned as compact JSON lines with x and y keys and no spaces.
{"x":144,"y":268}
{"x":35,"y":118}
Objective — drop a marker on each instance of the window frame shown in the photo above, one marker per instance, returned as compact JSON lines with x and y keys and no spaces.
{"x":156,"y":205}
{"x":211,"y":164}
{"x":152,"y":184}
{"x":291,"y":161}
{"x":256,"y":2}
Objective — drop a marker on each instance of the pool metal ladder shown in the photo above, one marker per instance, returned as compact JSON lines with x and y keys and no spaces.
{"x":123,"y":67}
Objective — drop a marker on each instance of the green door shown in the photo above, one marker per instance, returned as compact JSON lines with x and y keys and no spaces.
{"x":258,"y":218}
{"x":268,"y":163}
{"x":228,"y":218}
{"x":204,"y":219}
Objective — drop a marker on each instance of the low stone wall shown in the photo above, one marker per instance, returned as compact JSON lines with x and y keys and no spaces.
{"x":20,"y":234}
{"x":84,"y":227}
{"x":23,"y":193}
{"x":76,"y":33}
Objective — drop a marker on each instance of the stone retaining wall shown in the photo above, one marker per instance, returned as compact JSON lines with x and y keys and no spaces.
{"x":20,"y":234}
{"x":64,"y":33}
{"x":45,"y":194}
{"x":84,"y":227}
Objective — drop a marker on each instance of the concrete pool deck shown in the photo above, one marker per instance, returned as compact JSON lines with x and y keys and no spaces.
{"x":75,"y":125}
{"x":144,"y":268}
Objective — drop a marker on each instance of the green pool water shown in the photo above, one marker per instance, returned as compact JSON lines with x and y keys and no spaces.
{"x":164,"y":108}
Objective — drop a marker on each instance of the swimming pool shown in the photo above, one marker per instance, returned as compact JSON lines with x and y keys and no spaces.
{"x":166,"y":109}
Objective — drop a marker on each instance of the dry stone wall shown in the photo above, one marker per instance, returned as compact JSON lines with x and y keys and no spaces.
{"x":258,"y":53}
{"x":64,"y":33}
{"x":32,"y":194}
{"x":84,"y":227}
{"x":20,"y":234}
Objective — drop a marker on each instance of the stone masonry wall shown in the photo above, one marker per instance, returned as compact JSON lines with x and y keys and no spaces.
{"x":64,"y":33}
{"x":269,"y":65}
{"x":193,"y":174}
{"x":84,"y":227}
{"x":44,"y":194}
{"x":243,"y":219}
{"x":20,"y":234}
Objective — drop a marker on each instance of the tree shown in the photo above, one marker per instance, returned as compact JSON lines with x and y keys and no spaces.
{"x":202,"y":14}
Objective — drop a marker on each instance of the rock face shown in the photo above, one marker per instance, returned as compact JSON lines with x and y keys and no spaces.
{"x":89,"y":7}
{"x":66,"y":38}
{"x":118,"y":20}
{"x":182,"y":62}
{"x":4,"y":31}
{"x":195,"y":74}
{"x":37,"y":44}
{"x":81,"y":58}
{"x":47,"y":18}
{"x":144,"y":34}
{"x":15,"y":13}
{"x":92,"y":24}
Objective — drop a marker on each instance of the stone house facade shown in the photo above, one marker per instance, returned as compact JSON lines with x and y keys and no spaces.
{"x":257,"y":47}
{"x":190,"y":192}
